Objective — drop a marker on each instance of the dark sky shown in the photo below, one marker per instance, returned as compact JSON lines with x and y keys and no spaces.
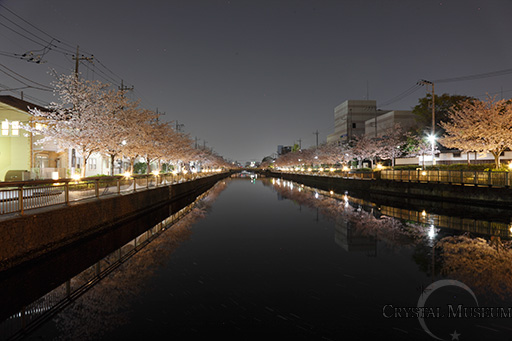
{"x":248,"y":75}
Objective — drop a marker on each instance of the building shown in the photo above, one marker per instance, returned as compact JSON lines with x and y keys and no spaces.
{"x":20,"y":150}
{"x":281,"y":150}
{"x":350,"y":118}
{"x":377,"y":126}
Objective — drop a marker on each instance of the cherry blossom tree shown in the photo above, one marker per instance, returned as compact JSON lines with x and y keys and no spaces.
{"x":365,"y":148}
{"x":77,"y":119}
{"x":390,"y":143}
{"x":482,"y":126}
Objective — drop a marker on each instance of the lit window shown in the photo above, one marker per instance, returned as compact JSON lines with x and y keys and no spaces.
{"x":15,"y":128}
{"x":5,"y":128}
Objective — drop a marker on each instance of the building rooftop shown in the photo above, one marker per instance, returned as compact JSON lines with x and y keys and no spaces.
{"x":19,"y":103}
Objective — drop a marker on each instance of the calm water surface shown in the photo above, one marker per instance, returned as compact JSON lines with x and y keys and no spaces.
{"x":259,"y":265}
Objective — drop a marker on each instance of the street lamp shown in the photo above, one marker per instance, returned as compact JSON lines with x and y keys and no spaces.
{"x":433,"y":132}
{"x":432,"y":139}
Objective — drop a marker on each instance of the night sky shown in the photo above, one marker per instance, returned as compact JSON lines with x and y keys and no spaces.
{"x":247,"y":76}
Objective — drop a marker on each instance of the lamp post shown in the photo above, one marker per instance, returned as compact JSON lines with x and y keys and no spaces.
{"x":433,"y":132}
{"x":432,"y":139}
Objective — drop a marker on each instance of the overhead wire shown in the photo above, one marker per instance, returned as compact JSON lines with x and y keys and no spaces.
{"x":25,"y":78}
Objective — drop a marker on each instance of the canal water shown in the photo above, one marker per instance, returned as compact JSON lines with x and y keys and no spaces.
{"x":271,"y":259}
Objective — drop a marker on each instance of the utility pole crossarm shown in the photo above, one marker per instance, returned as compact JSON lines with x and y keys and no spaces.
{"x":77,"y":60}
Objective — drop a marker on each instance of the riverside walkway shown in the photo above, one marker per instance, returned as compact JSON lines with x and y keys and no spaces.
{"x":20,"y":196}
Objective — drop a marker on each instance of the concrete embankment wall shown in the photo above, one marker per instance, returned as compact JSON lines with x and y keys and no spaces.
{"x":474,"y":195}
{"x":43,"y":231}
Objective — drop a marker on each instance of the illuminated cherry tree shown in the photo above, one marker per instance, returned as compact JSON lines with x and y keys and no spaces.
{"x":481,"y":126}
{"x":77,"y":119}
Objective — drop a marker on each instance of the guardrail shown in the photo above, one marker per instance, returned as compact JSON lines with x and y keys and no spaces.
{"x":19,"y":196}
{"x":460,"y":177}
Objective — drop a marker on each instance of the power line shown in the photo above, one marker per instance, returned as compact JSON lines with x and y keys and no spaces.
{"x":475,"y":76}
{"x":44,"y":86}
{"x":402,"y":95}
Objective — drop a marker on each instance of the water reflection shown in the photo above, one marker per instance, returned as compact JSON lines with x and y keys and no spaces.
{"x":355,"y":222}
{"x":108,"y":306}
{"x":484,"y":264}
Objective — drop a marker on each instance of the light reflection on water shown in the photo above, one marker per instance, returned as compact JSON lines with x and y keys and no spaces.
{"x":291,"y":262}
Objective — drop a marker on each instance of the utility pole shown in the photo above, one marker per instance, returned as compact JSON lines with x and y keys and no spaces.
{"x":179,"y":126}
{"x":78,"y":59}
{"x":433,"y":133}
{"x":204,"y":144}
{"x":300,"y":144}
{"x":196,"y":143}
{"x":316,"y":133}
{"x":125,"y":88}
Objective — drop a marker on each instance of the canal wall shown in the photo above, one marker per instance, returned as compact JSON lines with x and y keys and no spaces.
{"x":473,"y":195}
{"x":42,"y":232}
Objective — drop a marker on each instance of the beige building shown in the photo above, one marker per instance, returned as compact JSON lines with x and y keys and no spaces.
{"x":350,"y":118}
{"x":377,"y":126}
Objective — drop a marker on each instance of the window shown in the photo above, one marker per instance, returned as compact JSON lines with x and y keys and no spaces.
{"x":5,"y":128}
{"x":92,"y":164}
{"x":15,"y":128}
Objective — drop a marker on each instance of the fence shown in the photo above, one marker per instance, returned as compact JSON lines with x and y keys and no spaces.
{"x":461,"y":177}
{"x":336,"y":174}
{"x":19,"y":196}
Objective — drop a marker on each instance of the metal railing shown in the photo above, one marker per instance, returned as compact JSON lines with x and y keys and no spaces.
{"x":460,"y":177}
{"x":19,"y":196}
{"x":335,"y":174}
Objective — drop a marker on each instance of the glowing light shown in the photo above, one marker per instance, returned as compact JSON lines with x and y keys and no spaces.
{"x":423,"y":213}
{"x":174,"y":173}
{"x":321,"y":169}
{"x":331,"y":192}
{"x":55,"y":175}
{"x":302,"y":169}
{"x":155,"y":172}
{"x":185,"y":171}
{"x":127,"y":174}
{"x":331,"y":169}
{"x":423,"y":173}
{"x":309,"y":169}
{"x":76,"y":177}
{"x":432,"y":232}
{"x":316,"y":195}
{"x":379,"y":166}
{"x":345,"y":169}
{"x":510,"y":165}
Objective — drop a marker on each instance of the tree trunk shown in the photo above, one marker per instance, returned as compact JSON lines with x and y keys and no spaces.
{"x":112,"y":156}
{"x":496,"y":159}
{"x":82,"y":172}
